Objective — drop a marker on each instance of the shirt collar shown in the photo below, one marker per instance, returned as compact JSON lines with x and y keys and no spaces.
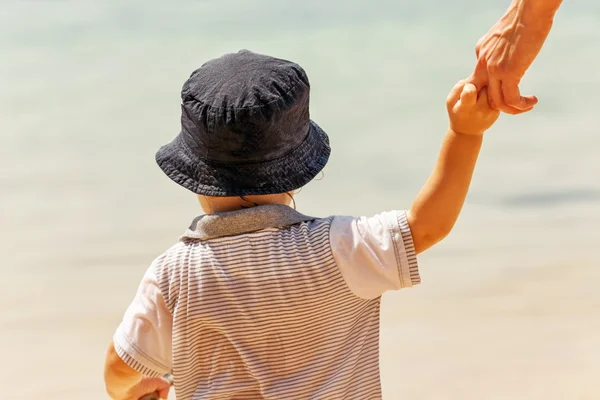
{"x":252,"y":219}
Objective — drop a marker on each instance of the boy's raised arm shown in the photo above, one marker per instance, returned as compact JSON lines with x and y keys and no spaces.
{"x":436,"y":208}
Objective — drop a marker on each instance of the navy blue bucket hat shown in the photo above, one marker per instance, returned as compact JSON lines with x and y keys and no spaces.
{"x":245,"y":129}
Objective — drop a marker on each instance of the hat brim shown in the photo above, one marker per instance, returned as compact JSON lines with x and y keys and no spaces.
{"x":286,"y":173}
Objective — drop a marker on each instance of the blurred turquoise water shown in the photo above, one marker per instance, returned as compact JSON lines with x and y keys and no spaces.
{"x":90,"y":91}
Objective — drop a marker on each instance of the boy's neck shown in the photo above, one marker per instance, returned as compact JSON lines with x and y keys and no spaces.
{"x":212,"y":205}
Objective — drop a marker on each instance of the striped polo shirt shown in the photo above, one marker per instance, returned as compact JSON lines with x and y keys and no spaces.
{"x":267,"y":303}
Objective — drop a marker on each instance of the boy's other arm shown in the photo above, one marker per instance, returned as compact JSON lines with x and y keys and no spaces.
{"x":119,"y":377}
{"x":124,"y":383}
{"x":140,"y":353}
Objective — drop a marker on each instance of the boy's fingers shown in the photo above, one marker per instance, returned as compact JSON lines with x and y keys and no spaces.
{"x":468,"y":97}
{"x":455,"y":93}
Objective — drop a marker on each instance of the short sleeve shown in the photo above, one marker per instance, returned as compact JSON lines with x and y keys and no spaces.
{"x":375,"y":254}
{"x":144,"y":337}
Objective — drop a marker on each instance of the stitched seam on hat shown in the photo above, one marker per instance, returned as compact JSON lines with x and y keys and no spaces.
{"x":187,"y":151}
{"x":210,"y":121}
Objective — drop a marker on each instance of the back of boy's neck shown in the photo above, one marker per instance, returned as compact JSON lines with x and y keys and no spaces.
{"x":212,"y":205}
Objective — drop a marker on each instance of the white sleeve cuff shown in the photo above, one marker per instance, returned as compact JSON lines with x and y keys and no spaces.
{"x":375,"y":254}
{"x":406,"y":256}
{"x":136,"y":358}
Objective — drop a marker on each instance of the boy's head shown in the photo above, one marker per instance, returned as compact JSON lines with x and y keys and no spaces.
{"x":245,"y":129}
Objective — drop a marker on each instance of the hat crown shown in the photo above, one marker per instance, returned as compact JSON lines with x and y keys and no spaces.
{"x":245,"y":108}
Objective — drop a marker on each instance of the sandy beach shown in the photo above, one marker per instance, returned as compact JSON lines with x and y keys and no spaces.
{"x":497,"y":329}
{"x":526,"y":338}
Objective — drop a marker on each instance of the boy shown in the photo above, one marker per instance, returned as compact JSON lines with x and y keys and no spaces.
{"x":258,"y":301}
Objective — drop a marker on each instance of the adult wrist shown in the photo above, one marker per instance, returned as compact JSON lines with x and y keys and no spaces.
{"x":537,"y":11}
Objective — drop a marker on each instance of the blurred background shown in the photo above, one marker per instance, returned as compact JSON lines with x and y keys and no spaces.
{"x":509,"y":306}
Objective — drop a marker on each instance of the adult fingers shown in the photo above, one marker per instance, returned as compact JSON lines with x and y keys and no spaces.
{"x":512,"y":97}
{"x":482,"y":97}
{"x":496,"y":98}
{"x":494,"y":93}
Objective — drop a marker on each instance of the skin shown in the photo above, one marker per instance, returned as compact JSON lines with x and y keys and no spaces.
{"x":124,"y":383}
{"x":212,"y":205}
{"x":437,"y":206}
{"x":508,"y":49}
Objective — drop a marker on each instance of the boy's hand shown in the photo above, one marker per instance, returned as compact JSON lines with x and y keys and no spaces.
{"x":149,"y":386}
{"x":469,"y":112}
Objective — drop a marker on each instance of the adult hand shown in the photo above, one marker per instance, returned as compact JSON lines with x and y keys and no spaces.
{"x":505,"y":53}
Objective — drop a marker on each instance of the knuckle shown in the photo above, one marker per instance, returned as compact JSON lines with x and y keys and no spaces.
{"x":497,"y":69}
